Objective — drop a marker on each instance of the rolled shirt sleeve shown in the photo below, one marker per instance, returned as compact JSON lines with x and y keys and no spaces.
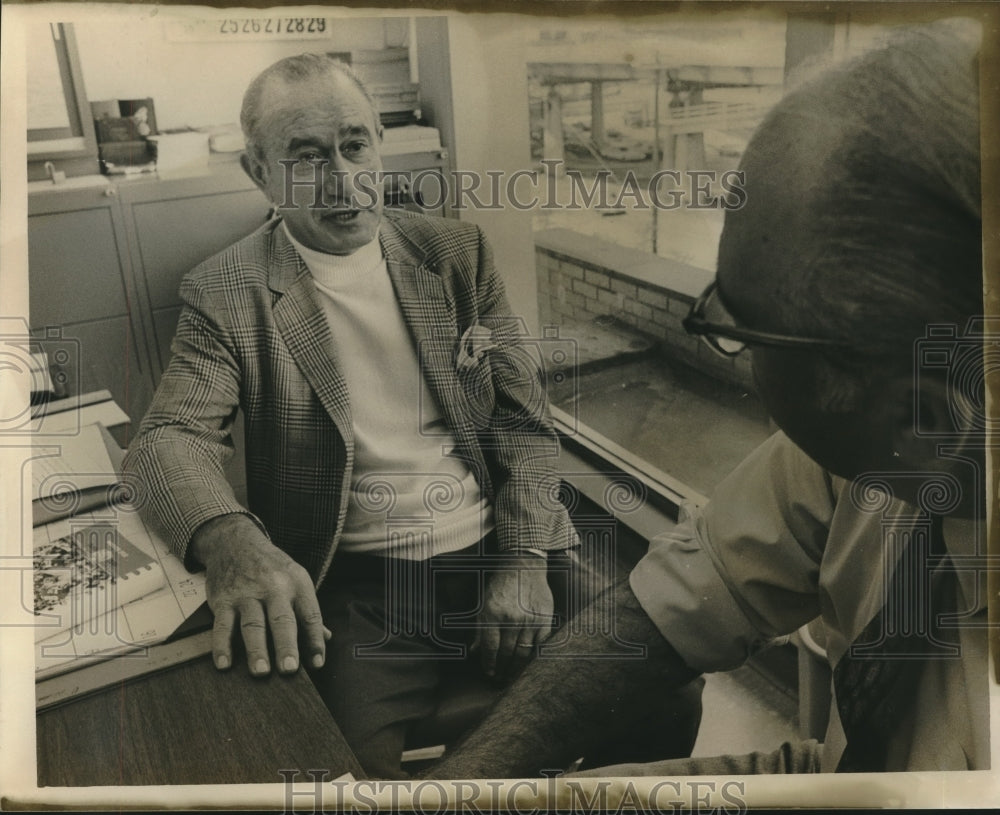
{"x":743,"y":570}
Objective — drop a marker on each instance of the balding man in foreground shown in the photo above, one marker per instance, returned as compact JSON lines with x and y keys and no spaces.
{"x":852,"y":274}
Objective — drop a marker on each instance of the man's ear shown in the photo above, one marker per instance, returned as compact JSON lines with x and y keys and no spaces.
{"x":921,"y":416}
{"x":254,"y":168}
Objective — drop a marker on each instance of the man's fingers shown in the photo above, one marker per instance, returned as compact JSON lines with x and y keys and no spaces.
{"x":253,"y":628}
{"x":313,"y":633}
{"x":505,"y":653}
{"x":489,"y":644}
{"x":542,"y":632}
{"x":523,"y":651}
{"x":284,"y":633}
{"x":222,"y":637}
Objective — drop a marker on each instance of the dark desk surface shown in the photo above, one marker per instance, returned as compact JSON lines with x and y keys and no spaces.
{"x":191,"y":725}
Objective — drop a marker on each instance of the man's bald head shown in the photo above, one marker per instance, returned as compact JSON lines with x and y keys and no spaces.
{"x":862,"y":219}
{"x":862,"y":225}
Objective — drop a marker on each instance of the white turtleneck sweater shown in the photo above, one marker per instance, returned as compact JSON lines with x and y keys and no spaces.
{"x":409,"y":497}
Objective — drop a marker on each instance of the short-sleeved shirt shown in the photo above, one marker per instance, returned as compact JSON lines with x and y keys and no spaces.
{"x":783,"y":542}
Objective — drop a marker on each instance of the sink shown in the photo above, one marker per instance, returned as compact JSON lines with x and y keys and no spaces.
{"x":69,"y":184}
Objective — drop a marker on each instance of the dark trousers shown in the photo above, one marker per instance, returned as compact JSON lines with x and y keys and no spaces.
{"x":398,"y":627}
{"x":399,"y":663}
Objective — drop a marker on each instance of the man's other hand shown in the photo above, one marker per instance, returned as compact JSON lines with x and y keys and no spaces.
{"x":251,"y":582}
{"x":516,"y":615}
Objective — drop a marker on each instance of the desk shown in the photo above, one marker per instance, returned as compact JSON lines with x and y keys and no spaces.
{"x":187,"y":723}
{"x":191,"y":724}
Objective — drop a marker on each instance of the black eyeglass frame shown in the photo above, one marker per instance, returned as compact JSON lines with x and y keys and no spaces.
{"x":696,"y":324}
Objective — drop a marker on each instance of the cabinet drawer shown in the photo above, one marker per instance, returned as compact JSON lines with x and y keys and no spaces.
{"x":175,"y":235}
{"x":75,"y":272}
{"x":108,"y":356}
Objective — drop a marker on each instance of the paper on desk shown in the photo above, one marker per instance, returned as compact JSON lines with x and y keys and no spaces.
{"x":77,"y":462}
{"x":62,"y":422}
{"x":146,"y":621}
{"x":87,"y":574}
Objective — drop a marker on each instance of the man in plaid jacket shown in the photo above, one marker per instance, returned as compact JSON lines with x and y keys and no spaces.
{"x":395,"y":428}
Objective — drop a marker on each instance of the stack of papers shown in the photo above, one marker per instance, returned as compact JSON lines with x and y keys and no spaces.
{"x":69,"y":474}
{"x":41,"y":379}
{"x":66,"y":416}
{"x":103,"y":583}
{"x":398,"y":141}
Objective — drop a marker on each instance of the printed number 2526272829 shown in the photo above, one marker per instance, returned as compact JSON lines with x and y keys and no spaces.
{"x":273,"y":25}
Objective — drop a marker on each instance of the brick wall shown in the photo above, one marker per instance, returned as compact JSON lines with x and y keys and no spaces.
{"x":581,"y":277}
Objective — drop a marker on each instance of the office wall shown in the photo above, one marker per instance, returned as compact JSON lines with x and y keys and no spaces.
{"x":471,"y":67}
{"x":195,"y":84}
{"x":490,"y":100}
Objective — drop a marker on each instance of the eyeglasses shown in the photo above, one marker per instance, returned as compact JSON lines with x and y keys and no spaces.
{"x":710,"y":320}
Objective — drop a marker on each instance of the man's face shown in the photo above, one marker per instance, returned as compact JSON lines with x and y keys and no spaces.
{"x":306,"y":123}
{"x":878,"y":436}
{"x":844,"y":443}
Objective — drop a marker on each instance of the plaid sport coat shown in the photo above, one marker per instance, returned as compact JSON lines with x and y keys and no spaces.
{"x":252,"y":336}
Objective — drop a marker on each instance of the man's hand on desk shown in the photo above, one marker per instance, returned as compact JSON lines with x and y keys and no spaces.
{"x":516,"y":615}
{"x":249,"y":580}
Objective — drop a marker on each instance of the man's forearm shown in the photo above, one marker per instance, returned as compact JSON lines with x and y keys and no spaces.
{"x":562,"y":706}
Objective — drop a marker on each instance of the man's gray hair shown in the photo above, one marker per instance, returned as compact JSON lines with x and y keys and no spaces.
{"x":297,"y":68}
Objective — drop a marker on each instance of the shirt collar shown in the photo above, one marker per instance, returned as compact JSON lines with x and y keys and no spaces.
{"x":361,"y":260}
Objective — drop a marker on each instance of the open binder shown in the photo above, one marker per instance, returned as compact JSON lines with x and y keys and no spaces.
{"x":83,"y":576}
